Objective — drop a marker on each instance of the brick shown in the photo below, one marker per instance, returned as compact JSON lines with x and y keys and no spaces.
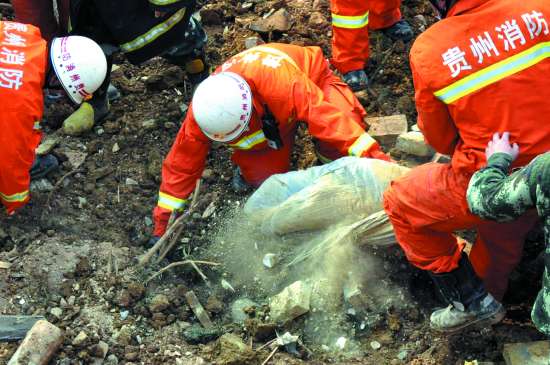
{"x":386,"y":129}
{"x":40,"y":344}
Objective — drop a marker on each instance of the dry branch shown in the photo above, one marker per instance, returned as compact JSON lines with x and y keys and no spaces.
{"x":181,"y":263}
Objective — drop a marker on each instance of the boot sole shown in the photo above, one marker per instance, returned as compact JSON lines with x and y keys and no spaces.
{"x":487,"y":320}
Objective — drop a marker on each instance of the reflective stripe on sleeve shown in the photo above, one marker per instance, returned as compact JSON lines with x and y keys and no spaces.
{"x":350,"y":22}
{"x":494,"y":73}
{"x":249,"y":141}
{"x":170,"y":202}
{"x":361,"y":144}
{"x":163,"y":2}
{"x":17,"y":197}
{"x":154,"y":32}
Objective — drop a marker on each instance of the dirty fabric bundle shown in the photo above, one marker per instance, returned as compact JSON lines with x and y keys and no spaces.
{"x":346,"y":191}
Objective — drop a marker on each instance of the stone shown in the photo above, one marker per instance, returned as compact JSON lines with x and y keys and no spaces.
{"x":56,"y":312}
{"x":82,"y":202}
{"x":413,"y":143}
{"x":191,"y":361}
{"x":99,"y":351}
{"x":111,"y":360}
{"x":159,"y":303}
{"x":136,"y":290}
{"x":41,"y":186}
{"x":213,"y":305}
{"x":291,"y":303}
{"x":197,"y":334}
{"x":532,"y":353}
{"x":375,"y":345}
{"x":39,"y":345}
{"x":75,"y":158}
{"x":124,"y":335}
{"x":278,"y":21}
{"x":80,"y":339}
{"x":16,"y":327}
{"x":47,"y":145}
{"x":210,"y":15}
{"x":115,"y":148}
{"x":170,"y":77}
{"x":270,"y":260}
{"x":238,"y":314}
{"x":233,"y":351}
{"x":131,"y":182}
{"x":317,"y":20}
{"x":149,"y":125}
{"x":386,"y":129}
{"x":252,"y":42}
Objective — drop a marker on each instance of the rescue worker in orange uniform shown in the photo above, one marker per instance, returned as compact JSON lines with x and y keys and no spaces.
{"x":351,"y":21}
{"x":483,"y":69}
{"x":253,"y":103}
{"x":80,"y":67}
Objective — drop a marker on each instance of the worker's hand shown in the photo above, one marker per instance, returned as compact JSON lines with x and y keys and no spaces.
{"x":502,"y":145}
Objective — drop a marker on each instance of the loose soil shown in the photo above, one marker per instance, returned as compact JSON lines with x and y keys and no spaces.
{"x":75,"y":247}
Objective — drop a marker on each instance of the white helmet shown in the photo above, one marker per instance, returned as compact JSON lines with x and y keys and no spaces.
{"x":80,"y":66}
{"x":222,"y":106}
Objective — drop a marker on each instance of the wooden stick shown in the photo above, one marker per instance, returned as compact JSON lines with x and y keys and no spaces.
{"x":198,"y":309}
{"x":58,"y":184}
{"x":180,"y":263}
{"x":173,"y":228}
{"x":269,"y":343}
{"x":270,"y":355}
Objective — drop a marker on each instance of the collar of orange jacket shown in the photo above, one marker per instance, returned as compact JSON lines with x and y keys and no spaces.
{"x":463,"y":6}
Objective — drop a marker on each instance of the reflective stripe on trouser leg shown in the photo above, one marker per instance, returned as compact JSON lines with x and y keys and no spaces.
{"x":170,"y":202}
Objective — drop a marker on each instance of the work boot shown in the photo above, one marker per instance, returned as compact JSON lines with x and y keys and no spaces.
{"x":357,"y":80}
{"x":400,"y":31}
{"x":42,"y":166}
{"x":469,"y":302}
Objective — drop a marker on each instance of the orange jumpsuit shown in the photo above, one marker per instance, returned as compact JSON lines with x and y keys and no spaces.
{"x":23,"y":58}
{"x":296,"y":84}
{"x":351,"y":20}
{"x":483,"y":69}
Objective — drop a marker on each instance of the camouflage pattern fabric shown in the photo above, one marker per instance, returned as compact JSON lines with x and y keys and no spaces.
{"x":492,"y":194}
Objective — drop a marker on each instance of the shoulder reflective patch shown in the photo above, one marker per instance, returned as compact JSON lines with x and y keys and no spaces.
{"x":350,"y":22}
{"x":494,"y":73}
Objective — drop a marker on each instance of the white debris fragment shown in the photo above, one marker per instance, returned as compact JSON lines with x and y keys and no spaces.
{"x":375,"y":345}
{"x":270,"y":260}
{"x":225,"y":284}
{"x":341,"y":343}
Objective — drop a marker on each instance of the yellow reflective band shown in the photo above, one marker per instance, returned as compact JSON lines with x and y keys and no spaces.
{"x":494,"y":73}
{"x":250,"y":141}
{"x":154,"y":32}
{"x":18,"y":197}
{"x":170,"y":202}
{"x":163,"y":2}
{"x":350,"y":22}
{"x":361,"y":144}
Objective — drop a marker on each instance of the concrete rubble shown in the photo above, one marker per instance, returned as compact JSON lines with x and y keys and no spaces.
{"x":291,"y":303}
{"x":386,"y":129}
{"x":413,"y":143}
{"x":40,"y":344}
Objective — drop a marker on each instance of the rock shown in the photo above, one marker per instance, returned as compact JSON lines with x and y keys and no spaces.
{"x":213,"y":305}
{"x":270,"y":260}
{"x":278,"y":21}
{"x":111,"y":360}
{"x":191,"y":361}
{"x":124,"y":335}
{"x":16,"y":327}
{"x":40,"y":344}
{"x":317,"y":20}
{"x":75,"y":158}
{"x":292,"y":302}
{"x":124,"y":299}
{"x":149,"y":124}
{"x":56,"y":312}
{"x":159,"y":303}
{"x":115,"y":148}
{"x":99,"y":351}
{"x":131,"y":182}
{"x":207,"y":174}
{"x":210,"y":209}
{"x":170,"y":77}
{"x":341,"y":343}
{"x":42,"y":186}
{"x":197,"y":334}
{"x":532,"y":353}
{"x":80,"y":339}
{"x":413,"y":143}
{"x":82,"y":202}
{"x":47,"y":145}
{"x":375,"y":345}
{"x":252,"y":42}
{"x":420,"y":20}
{"x":238,"y":315}
{"x":415,"y":128}
{"x":136,"y":290}
{"x":403,"y":354}
{"x":131,"y":356}
{"x":210,"y":15}
{"x":233,"y":351}
{"x":386,"y":129}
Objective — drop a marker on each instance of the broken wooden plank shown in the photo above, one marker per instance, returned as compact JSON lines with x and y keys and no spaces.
{"x":198,"y":309}
{"x":14,"y":328}
{"x":39,"y":345}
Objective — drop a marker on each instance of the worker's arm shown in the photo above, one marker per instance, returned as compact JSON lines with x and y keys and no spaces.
{"x":433,"y":116}
{"x":492,"y":194}
{"x":330,"y":124}
{"x":181,"y":169}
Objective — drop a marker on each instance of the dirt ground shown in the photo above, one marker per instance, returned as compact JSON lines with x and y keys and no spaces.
{"x":73,"y":249}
